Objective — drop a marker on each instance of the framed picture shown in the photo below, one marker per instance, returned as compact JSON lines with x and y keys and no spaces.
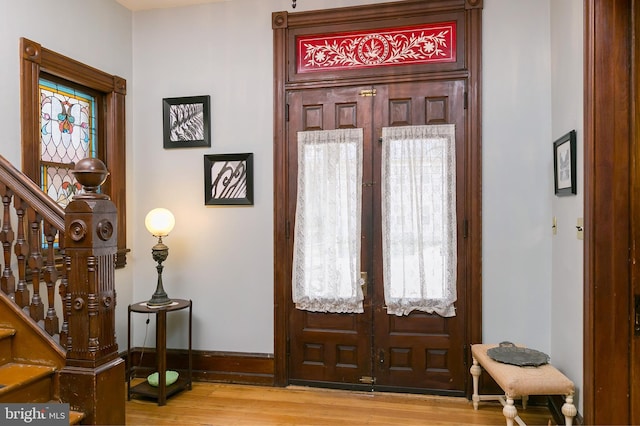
{"x":564,"y":164}
{"x":186,"y":122}
{"x":228,"y":179}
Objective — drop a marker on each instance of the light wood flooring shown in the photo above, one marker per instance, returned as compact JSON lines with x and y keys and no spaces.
{"x":223,"y":404}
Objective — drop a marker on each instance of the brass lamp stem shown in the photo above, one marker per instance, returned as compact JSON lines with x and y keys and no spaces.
{"x":159,"y":252}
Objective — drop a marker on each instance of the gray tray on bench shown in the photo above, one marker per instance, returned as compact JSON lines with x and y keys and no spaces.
{"x":508,"y":353}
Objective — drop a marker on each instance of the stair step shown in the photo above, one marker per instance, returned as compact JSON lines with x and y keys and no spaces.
{"x":75,"y":417}
{"x":6,"y":332}
{"x":6,"y":353}
{"x":25,"y":382}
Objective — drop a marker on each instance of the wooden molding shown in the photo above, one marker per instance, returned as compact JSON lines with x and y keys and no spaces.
{"x":210,"y":366}
{"x":31,"y":50}
{"x":635,"y":208}
{"x":279,"y":20}
{"x":473,"y":4}
{"x":607,"y":206}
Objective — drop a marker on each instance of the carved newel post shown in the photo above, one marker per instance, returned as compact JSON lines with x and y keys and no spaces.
{"x":93,"y":378}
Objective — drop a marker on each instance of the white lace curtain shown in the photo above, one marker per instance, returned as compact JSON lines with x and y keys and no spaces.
{"x":419,"y":219}
{"x":326,"y":257}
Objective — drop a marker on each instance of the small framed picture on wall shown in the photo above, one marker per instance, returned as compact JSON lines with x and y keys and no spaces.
{"x":186,"y":122}
{"x":228,"y":179}
{"x":564,"y":164}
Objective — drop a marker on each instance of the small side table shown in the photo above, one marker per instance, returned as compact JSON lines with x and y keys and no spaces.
{"x":161,"y":392}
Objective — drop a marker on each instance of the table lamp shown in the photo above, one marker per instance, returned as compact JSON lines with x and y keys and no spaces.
{"x":159,"y":223}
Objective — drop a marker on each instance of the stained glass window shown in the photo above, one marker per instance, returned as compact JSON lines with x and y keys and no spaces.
{"x":96,"y":101}
{"x":68,"y":129}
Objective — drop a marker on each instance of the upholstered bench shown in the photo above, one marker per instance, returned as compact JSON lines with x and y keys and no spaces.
{"x":520,"y":382}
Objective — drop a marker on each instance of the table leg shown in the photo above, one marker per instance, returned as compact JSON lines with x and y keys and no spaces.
{"x":129,"y":366}
{"x":510,"y":411}
{"x":569,"y":410}
{"x":161,"y":354}
{"x":475,"y":370}
{"x":190,"y":378}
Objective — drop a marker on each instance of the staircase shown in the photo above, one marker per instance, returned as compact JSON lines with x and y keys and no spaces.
{"x":22,"y":382}
{"x":45,"y":357}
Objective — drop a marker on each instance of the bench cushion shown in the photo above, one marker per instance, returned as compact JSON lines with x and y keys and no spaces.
{"x":521,"y":381}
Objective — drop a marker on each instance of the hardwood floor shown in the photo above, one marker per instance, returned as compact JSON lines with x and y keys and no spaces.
{"x":222,"y":404}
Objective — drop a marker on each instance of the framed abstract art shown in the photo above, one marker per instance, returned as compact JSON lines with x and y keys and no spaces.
{"x":186,"y":122}
{"x":228,"y":179}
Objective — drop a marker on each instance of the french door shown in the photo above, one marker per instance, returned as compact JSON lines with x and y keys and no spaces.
{"x":418,"y":352}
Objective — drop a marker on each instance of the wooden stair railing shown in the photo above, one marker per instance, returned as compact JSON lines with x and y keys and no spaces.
{"x":37,"y":214}
{"x":75,"y":250}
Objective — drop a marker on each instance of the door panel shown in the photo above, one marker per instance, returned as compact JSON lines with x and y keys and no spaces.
{"x":328,"y":347}
{"x":418,"y":352}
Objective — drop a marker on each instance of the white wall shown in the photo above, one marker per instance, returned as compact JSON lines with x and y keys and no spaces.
{"x":516,"y":143}
{"x":104,"y":43}
{"x":532,"y":95}
{"x":221,"y":257}
{"x":567,"y":25}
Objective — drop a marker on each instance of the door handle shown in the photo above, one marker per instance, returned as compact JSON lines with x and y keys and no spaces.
{"x":364,"y":285}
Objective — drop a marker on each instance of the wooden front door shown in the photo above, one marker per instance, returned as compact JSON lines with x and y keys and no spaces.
{"x":419,"y":352}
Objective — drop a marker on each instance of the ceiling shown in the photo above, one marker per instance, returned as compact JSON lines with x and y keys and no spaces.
{"x":160,"y":4}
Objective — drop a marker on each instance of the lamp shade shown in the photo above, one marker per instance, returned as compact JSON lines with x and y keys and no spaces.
{"x":159,"y":222}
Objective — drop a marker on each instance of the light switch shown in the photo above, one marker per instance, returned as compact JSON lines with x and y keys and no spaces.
{"x":580,"y":229}
{"x":554,"y":226}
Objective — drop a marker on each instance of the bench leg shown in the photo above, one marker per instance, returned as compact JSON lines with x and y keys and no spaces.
{"x":475,"y":373}
{"x":569,"y":410}
{"x":525,"y":398}
{"x":510,"y":411}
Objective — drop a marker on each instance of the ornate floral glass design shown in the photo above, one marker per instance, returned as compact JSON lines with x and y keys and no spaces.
{"x":68,"y":134}
{"x":421,"y":44}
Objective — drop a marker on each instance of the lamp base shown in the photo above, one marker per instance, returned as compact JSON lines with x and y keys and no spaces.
{"x":159,"y":300}
{"x":160,"y":253}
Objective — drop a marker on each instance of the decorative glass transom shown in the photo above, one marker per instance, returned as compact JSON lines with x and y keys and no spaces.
{"x":68,"y":134}
{"x":427,"y":43}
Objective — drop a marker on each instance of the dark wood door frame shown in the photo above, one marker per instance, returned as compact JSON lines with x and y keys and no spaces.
{"x":411,"y":10}
{"x":634,"y":398}
{"x":610,"y":129}
{"x":610,"y":196}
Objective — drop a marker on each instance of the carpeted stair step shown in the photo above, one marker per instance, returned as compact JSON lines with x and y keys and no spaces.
{"x":25,"y":383}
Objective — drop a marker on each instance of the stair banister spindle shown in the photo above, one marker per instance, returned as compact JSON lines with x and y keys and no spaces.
{"x":50,"y":276}
{"x":21,"y":249}
{"x":36,"y":307}
{"x":8,"y":280}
